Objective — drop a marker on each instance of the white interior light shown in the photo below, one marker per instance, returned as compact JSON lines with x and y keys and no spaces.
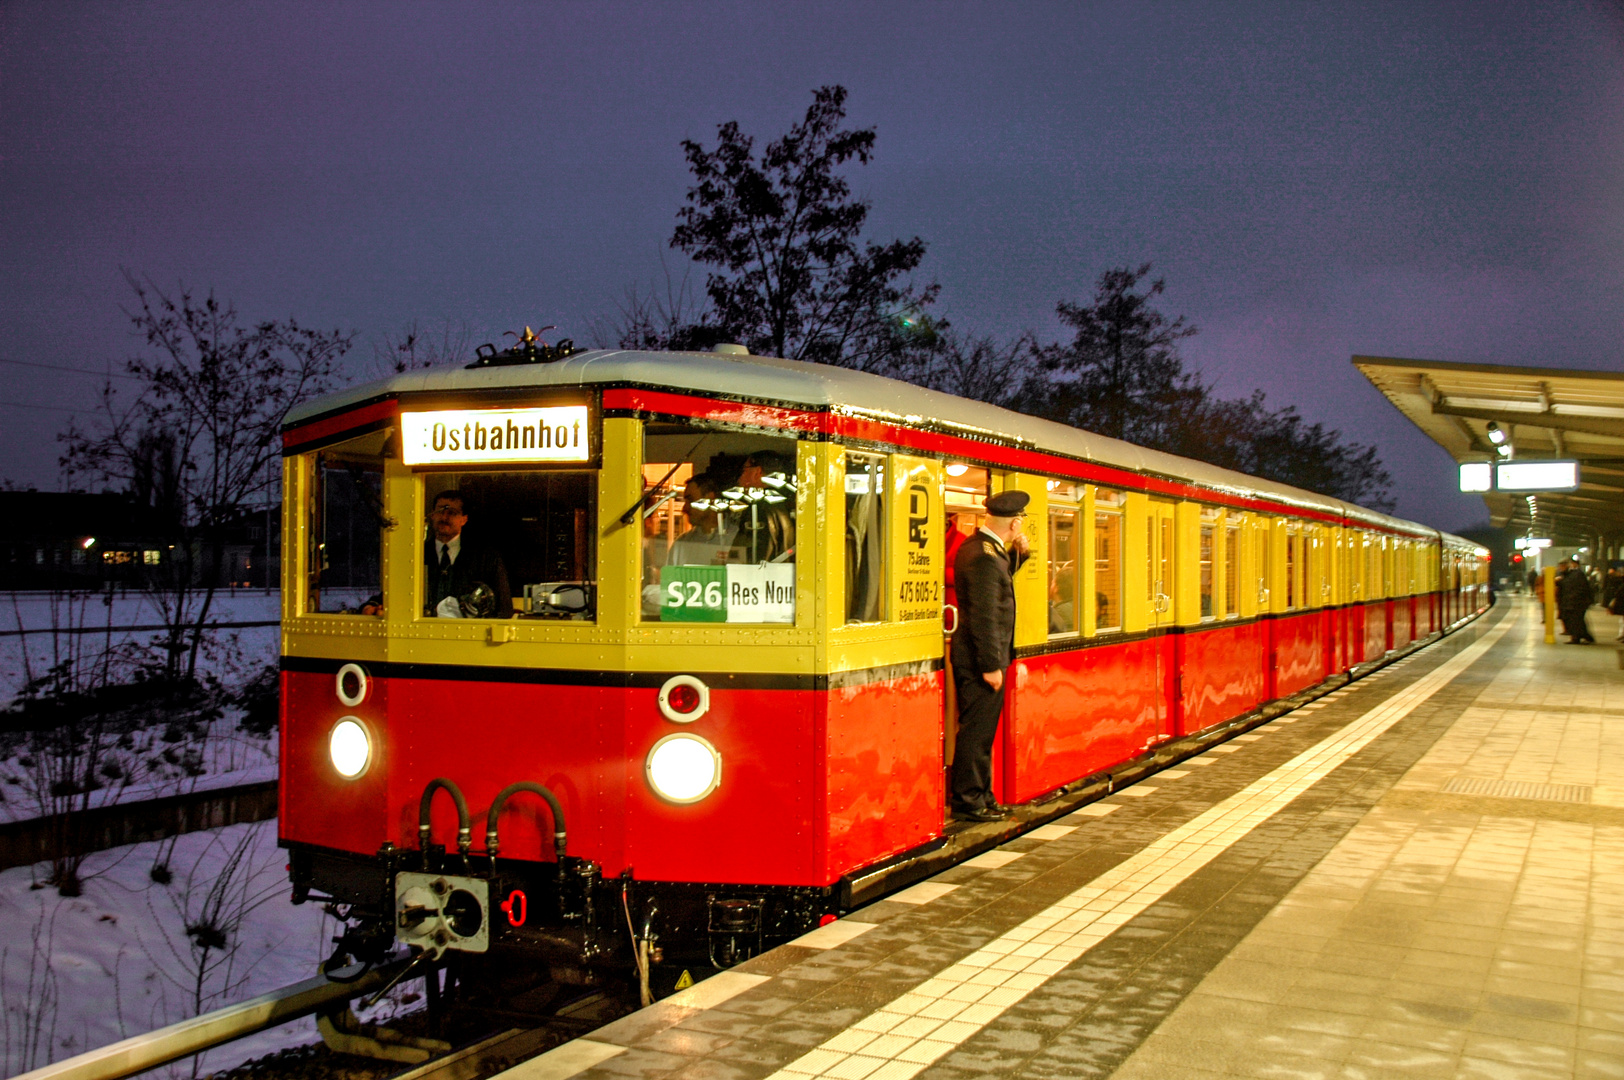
{"x":684,"y":768}
{"x":957,"y":469}
{"x":350,"y":748}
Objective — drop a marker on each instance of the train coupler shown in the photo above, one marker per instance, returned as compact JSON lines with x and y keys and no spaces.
{"x":734,"y":927}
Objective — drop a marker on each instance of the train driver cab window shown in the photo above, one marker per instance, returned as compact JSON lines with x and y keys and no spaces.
{"x":346,"y":522}
{"x":1064,"y":577}
{"x":719,"y":511}
{"x":865,"y":538}
{"x":1107,"y":560}
{"x":503,"y":544}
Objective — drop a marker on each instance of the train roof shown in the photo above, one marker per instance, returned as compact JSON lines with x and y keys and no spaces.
{"x":821,"y":387}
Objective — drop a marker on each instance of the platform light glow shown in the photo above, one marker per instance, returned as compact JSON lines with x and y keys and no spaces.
{"x":684,"y":768}
{"x":1476,"y":476}
{"x":350,"y":748}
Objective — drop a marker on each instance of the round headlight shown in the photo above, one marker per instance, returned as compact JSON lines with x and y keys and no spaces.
{"x":684,"y":768}
{"x":350,"y":748}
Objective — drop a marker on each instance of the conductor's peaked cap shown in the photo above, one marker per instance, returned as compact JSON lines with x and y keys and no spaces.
{"x":1008,"y":504}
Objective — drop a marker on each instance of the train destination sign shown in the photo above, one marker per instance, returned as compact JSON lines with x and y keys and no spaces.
{"x":559,"y":433}
{"x":735,"y":593}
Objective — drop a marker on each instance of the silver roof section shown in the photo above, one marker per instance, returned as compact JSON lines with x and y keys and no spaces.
{"x":855,"y":393}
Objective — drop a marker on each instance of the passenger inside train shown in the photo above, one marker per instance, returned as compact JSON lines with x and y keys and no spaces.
{"x":719,"y":514}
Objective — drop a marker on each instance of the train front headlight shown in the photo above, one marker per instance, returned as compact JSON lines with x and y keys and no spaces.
{"x":350,"y":747}
{"x":684,"y":768}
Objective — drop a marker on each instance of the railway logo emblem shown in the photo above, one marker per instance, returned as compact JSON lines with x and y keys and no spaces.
{"x":918,"y":515}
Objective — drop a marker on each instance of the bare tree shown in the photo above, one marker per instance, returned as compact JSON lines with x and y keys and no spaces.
{"x":199,"y":437}
{"x":415,"y":347}
{"x":28,"y":1012}
{"x":230,"y":878}
{"x":654,"y":319}
{"x":980,"y":368}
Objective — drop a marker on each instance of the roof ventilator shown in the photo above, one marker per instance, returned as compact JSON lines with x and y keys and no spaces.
{"x":527,"y":348}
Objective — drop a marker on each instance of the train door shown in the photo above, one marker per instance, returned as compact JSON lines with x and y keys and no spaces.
{"x":1161,"y":551}
{"x":965,"y":491}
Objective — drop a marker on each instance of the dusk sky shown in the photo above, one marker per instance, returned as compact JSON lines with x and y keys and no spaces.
{"x":1413,"y":179}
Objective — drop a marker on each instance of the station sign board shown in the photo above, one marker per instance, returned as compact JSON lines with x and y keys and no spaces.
{"x":1536,"y":476}
{"x":1531,"y":543}
{"x":1520,"y":476}
{"x":551,"y":435}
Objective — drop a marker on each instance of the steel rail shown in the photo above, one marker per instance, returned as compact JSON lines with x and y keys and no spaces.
{"x":142,"y":1052}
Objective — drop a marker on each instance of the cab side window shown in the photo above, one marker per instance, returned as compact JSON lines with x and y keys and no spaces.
{"x":345,"y":513}
{"x":719,"y":525}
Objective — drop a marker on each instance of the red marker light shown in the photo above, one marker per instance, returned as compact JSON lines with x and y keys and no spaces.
{"x":682,"y":698}
{"x":827,"y":919}
{"x":514,"y":907}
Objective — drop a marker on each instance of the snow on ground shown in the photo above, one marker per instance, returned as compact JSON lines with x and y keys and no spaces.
{"x":40,"y":611}
{"x":230,"y":756}
{"x":78,"y":973}
{"x":124,"y":957}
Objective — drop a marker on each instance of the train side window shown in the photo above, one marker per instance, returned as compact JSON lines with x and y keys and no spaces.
{"x":865,"y":538}
{"x":1265,"y":562}
{"x":500,"y":544}
{"x":719,"y":514}
{"x":1107,"y":560}
{"x":345,"y":514}
{"x":1291,"y":566}
{"x":1209,"y":535}
{"x":1232,"y":568}
{"x":1063,"y":566}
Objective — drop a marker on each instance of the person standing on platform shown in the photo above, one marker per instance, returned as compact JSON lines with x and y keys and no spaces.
{"x":1574,"y":595}
{"x":984,"y":647}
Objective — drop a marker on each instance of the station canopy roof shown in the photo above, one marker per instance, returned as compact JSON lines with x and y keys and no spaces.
{"x":1546,"y":413}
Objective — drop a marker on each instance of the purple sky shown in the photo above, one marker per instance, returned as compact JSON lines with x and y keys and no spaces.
{"x":1434,"y":180}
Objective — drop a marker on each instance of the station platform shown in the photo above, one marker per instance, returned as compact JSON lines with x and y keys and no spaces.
{"x":1420,"y":874}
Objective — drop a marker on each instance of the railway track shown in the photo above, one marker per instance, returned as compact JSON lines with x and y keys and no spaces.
{"x":478,"y":1054}
{"x":483,"y":1053}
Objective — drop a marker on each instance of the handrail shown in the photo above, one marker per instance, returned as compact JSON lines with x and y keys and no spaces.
{"x":142,"y":1052}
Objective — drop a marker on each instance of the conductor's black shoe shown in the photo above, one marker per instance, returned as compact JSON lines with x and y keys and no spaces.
{"x":979,"y":813}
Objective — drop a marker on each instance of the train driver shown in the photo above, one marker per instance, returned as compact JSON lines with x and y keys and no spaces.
{"x":455,"y":565}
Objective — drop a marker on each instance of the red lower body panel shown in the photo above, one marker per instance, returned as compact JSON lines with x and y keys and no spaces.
{"x":814,"y":783}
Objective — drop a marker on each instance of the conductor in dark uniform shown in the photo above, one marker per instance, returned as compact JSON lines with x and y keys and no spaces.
{"x":454,"y":565}
{"x":983,"y":647}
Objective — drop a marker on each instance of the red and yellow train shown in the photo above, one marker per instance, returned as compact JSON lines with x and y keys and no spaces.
{"x":721,"y":682}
